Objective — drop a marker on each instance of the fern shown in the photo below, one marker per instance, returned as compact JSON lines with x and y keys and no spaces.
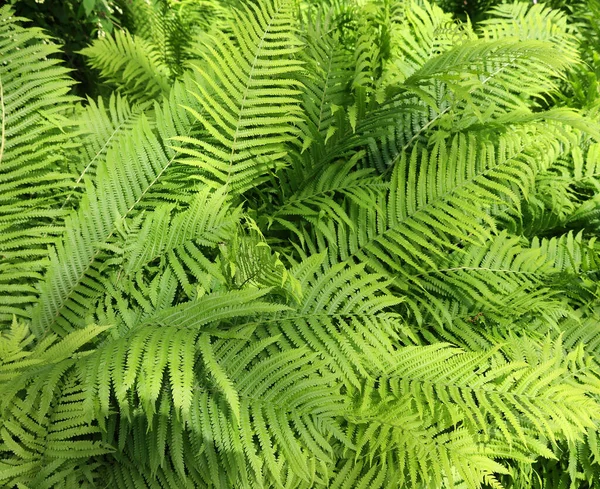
{"x":249,"y":101}
{"x":101,"y":127}
{"x":72,"y":277}
{"x":131,"y":63}
{"x":300,"y":245}
{"x":34,"y":103}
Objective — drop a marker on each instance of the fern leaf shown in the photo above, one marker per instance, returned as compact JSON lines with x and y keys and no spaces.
{"x":248,"y":98}
{"x":34,"y":92}
{"x":131,"y":63}
{"x":73,"y":277}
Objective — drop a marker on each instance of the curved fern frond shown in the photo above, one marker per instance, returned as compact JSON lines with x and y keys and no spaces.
{"x":207,"y":222}
{"x":501,"y":78}
{"x":46,"y":433}
{"x":344,"y":311}
{"x":34,"y":107}
{"x":325,"y":90}
{"x":131,"y":63}
{"x":172,"y":28}
{"x":526,"y":21}
{"x":495,"y":68}
{"x":502,"y":282}
{"x":130,"y":171}
{"x":317,"y":196}
{"x":417,"y":225}
{"x":53,"y":451}
{"x":165,"y":345}
{"x":99,"y":128}
{"x":236,"y":299}
{"x":248,"y":98}
{"x":418,"y":31}
{"x":526,"y":405}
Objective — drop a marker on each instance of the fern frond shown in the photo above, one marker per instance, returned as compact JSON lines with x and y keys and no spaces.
{"x":489,"y":282}
{"x":208,"y":221}
{"x":500,"y":80}
{"x":340,"y":299}
{"x":130,"y":171}
{"x":419,"y":30}
{"x":164,"y":345}
{"x":131,"y":63}
{"x":325,"y":90}
{"x":317,"y":197}
{"x":100,"y":127}
{"x":46,"y":433}
{"x":248,"y":98}
{"x":526,"y":21}
{"x":521,"y":403}
{"x":417,"y":226}
{"x":226,"y":294}
{"x":34,"y":105}
{"x":49,"y":453}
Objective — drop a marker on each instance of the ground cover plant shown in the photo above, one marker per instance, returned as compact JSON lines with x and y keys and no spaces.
{"x":345,"y":244}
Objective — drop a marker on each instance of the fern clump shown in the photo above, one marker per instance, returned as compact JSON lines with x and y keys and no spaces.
{"x":301,"y":245}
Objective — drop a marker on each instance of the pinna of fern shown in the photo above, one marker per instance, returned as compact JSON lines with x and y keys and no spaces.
{"x":309,"y":263}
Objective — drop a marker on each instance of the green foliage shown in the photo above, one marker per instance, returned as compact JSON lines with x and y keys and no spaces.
{"x":152,"y":48}
{"x":302,"y":245}
{"x":74,"y":24}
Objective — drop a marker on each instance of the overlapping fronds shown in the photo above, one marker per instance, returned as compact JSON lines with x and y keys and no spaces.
{"x":354,"y":246}
{"x":102,"y":125}
{"x":46,"y":433}
{"x":207,"y":222}
{"x":317,"y":198}
{"x":328,"y":67}
{"x":407,"y":413}
{"x":144,"y":60}
{"x":499,"y":80}
{"x":531,"y":22}
{"x":174,"y":28}
{"x":436,"y":199}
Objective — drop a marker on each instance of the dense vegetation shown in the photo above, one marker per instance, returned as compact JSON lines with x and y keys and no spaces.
{"x":301,"y":244}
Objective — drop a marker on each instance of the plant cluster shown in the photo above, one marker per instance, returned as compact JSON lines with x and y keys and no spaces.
{"x":303,"y":244}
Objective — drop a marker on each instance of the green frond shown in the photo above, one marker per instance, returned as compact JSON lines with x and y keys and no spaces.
{"x":34,"y":106}
{"x":172,"y":28}
{"x":162,"y":346}
{"x":302,"y":245}
{"x":525,"y":21}
{"x":325,"y":90}
{"x":131,"y":63}
{"x":480,"y":286}
{"x":100,"y":128}
{"x":419,"y":30}
{"x":51,"y":452}
{"x":495,"y":68}
{"x":459,"y":81}
{"x":417,"y":227}
{"x":316,"y":199}
{"x":207,"y":222}
{"x":248,"y":98}
{"x":127,"y":176}
{"x":335,"y":300}
{"x":447,"y":396}
{"x":247,"y":260}
{"x":46,"y":432}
